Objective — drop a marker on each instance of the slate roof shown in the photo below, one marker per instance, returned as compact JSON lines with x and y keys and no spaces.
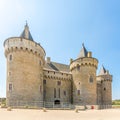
{"x":57,"y":67}
{"x":25,"y":31}
{"x":83,"y":52}
{"x":102,"y":71}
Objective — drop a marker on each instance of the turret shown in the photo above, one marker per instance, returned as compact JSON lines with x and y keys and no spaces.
{"x":26,"y":33}
{"x":83,"y":71}
{"x":25,"y":61}
{"x":104,"y":88}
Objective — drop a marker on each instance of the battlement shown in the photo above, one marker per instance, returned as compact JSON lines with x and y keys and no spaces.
{"x":57,"y":75}
{"x":17,"y":43}
{"x":30,"y":78}
{"x":106,"y":77}
{"x":85,"y":61}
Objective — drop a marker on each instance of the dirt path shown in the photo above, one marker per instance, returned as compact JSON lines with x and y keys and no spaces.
{"x":29,"y":114}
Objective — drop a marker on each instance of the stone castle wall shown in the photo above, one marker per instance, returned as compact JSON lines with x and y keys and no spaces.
{"x":57,"y":86}
{"x":84,"y":91}
{"x":25,"y":61}
{"x":30,"y":83}
{"x":104,"y":89}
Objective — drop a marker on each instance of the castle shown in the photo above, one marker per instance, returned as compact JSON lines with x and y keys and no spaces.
{"x":34,"y":81}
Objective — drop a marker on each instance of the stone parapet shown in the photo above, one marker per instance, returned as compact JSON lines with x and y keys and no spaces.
{"x":57,"y":75}
{"x":86,"y":61}
{"x":106,"y":77}
{"x":17,"y":43}
{"x":25,"y":61}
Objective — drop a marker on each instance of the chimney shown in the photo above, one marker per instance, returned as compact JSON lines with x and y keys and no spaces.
{"x":48,"y":59}
{"x":89,"y":54}
{"x":107,"y":72}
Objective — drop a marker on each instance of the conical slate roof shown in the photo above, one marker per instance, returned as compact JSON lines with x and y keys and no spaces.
{"x":102,"y":71}
{"x":83,"y":52}
{"x":26,"y":33}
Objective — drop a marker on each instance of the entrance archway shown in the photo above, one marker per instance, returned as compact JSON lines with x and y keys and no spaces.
{"x":57,"y":102}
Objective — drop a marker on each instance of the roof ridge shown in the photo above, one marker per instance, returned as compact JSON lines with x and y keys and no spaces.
{"x":57,"y":66}
{"x":59,"y":63}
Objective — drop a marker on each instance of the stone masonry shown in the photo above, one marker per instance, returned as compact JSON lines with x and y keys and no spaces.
{"x":36,"y":82}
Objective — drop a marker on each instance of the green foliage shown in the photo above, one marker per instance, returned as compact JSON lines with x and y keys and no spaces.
{"x":116,"y":102}
{"x":3,"y":101}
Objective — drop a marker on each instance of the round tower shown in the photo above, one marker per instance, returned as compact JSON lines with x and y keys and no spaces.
{"x":83,"y":72}
{"x":25,"y":61}
{"x":104,"y":80}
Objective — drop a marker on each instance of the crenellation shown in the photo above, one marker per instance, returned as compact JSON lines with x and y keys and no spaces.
{"x":34,"y":81}
{"x":90,"y":62}
{"x":57,"y":75}
{"x":13,"y":43}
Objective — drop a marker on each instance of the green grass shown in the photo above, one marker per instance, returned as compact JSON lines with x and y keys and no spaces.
{"x":116,"y":102}
{"x":3,"y":101}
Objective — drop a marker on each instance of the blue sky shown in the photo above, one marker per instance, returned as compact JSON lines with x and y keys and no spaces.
{"x":61,"y":26}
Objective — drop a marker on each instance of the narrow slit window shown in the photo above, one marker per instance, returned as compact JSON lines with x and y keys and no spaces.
{"x":44,"y":82}
{"x":44,"y":93}
{"x":91,"y":79}
{"x":104,"y":89}
{"x":64,"y":93}
{"x":59,"y":92}
{"x":58,"y":82}
{"x":10,"y":87}
{"x":54,"y":92}
{"x":40,"y":89}
{"x":39,"y":62}
{"x":78,"y":67}
{"x":10,"y":57}
{"x":9,"y":73}
{"x":78,"y":92}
